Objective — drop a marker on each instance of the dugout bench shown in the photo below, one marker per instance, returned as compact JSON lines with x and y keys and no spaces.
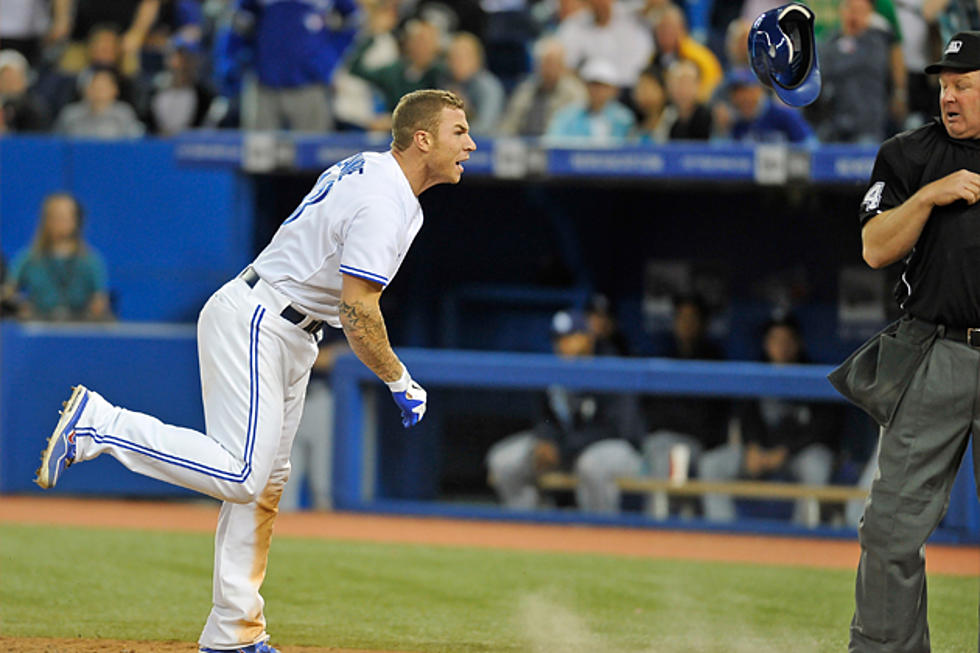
{"x":658,"y":488}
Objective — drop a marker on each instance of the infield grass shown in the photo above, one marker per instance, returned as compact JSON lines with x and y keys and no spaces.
{"x":95,"y":583}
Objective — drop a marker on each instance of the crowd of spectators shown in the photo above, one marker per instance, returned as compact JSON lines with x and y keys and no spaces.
{"x":610,"y":71}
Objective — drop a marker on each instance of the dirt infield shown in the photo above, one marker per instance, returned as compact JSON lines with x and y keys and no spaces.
{"x":48,"y":645}
{"x":202,"y":517}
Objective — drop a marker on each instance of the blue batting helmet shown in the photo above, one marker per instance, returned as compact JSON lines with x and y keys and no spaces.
{"x":783,"y":53}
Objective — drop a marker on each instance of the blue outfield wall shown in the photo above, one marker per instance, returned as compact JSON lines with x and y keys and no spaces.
{"x":169,"y":234}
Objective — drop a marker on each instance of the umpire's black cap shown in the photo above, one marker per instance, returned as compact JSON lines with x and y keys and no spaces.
{"x":962,"y":53}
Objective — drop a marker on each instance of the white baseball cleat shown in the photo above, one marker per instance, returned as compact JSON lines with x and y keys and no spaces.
{"x":60,"y":451}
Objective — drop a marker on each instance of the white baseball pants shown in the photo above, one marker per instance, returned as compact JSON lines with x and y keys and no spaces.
{"x":254,"y":369}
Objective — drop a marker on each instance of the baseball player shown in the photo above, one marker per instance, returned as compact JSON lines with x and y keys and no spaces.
{"x":257,"y":340}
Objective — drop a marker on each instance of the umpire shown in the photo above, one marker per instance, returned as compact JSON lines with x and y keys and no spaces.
{"x":919,"y":377}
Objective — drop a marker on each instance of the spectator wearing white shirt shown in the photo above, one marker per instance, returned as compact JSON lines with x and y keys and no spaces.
{"x":100,"y":114}
{"x":608,"y":30}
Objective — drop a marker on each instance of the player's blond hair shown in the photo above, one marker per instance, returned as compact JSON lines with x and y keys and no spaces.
{"x":420,"y":110}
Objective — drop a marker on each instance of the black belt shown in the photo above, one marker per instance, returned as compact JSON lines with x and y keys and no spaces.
{"x":251,"y":277}
{"x":967,"y":335}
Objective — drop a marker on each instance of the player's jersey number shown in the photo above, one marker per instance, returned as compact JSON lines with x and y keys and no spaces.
{"x":331,"y":176}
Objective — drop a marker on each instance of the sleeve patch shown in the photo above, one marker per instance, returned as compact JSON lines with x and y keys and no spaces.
{"x":873,"y":197}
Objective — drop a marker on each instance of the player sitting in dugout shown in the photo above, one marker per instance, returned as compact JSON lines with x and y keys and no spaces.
{"x":594,"y":435}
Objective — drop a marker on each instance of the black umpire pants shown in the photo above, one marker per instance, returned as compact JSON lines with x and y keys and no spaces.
{"x":921,"y":451}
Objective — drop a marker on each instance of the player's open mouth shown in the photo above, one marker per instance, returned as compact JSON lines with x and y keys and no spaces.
{"x":952,"y":115}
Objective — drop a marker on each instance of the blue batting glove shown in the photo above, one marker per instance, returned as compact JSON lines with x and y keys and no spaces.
{"x":410,"y":397}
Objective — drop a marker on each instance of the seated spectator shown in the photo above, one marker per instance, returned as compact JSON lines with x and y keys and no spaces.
{"x":650,"y":101}
{"x":23,"y":110}
{"x":780,"y":438}
{"x":608,"y":30}
{"x":754,"y":116}
{"x":856,"y":65}
{"x":180,"y":99}
{"x":419,"y":67}
{"x":736,"y":40}
{"x":100,"y":114}
{"x":59,"y":277}
{"x":673,"y":43}
{"x":609,"y":338}
{"x":685,"y":118}
{"x":592,"y":434}
{"x":538,"y":98}
{"x":105,"y":51}
{"x":602,"y":120}
{"x":480,"y":89}
{"x":102,"y":50}
{"x":696,"y":423}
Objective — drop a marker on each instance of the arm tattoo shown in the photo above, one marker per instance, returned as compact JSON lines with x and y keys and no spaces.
{"x":365,"y":330}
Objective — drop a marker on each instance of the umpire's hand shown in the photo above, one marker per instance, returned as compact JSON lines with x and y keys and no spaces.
{"x":960,"y":185}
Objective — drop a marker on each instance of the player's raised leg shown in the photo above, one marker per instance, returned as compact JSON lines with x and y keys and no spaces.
{"x":243,"y":374}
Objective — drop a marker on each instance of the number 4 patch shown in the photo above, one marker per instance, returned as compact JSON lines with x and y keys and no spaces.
{"x":873,"y":197}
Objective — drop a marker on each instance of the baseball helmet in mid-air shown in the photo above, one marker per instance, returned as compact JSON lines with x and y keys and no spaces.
{"x":783,"y":53}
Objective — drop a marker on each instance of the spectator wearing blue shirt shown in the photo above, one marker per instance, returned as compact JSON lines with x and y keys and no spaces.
{"x":602,"y":120}
{"x":758,"y":118}
{"x":293,"y":48}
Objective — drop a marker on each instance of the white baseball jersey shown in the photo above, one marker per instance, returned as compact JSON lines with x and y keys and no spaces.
{"x":360,"y":219}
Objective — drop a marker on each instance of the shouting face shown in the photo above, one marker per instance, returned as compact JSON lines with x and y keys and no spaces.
{"x":451,"y":146}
